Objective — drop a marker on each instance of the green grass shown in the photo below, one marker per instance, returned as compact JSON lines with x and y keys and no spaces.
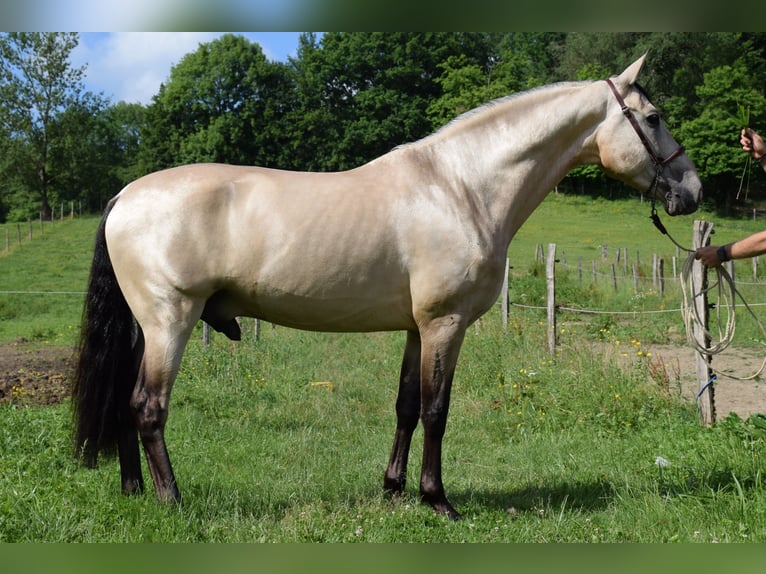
{"x":538,"y":449}
{"x":580,"y":225}
{"x":42,"y":281}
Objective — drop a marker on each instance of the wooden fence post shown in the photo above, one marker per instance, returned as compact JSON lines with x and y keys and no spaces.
{"x":550,"y":275}
{"x":705,"y":395}
{"x":635,"y":278}
{"x":755,"y":269}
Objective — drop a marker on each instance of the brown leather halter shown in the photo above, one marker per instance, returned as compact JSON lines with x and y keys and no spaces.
{"x":659,"y":162}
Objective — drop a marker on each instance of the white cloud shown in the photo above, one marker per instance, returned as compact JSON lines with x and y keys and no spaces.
{"x":130,"y":66}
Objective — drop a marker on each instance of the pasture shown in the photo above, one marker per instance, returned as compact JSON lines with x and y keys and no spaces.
{"x":285,"y":439}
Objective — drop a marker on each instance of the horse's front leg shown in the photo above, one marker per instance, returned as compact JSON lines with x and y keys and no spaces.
{"x":407,"y":414}
{"x":441,"y":342}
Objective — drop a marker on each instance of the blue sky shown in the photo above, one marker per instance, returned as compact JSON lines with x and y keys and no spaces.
{"x":130,"y":66}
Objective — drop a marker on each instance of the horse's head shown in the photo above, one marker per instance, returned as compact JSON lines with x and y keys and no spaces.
{"x":636,"y":147}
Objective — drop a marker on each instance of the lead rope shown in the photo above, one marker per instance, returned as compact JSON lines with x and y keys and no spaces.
{"x":726,"y":296}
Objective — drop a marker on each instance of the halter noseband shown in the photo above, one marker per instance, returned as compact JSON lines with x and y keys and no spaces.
{"x":659,"y":162}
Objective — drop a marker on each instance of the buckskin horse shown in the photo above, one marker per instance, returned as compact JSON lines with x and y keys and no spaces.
{"x":414,"y":240}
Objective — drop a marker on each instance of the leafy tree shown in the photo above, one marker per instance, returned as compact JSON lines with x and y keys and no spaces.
{"x":464,"y":86}
{"x":728,"y":101}
{"x":120,"y":129}
{"x":37,"y":83}
{"x":510,"y":63}
{"x":596,"y":55}
{"x":374,"y":89}
{"x":96,"y":152}
{"x":220,"y":104}
{"x":309,"y":125}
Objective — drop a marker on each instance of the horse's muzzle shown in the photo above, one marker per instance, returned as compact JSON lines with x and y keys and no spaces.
{"x":683,"y":197}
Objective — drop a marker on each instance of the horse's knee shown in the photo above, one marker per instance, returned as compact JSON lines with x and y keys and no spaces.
{"x":407,"y":415}
{"x":149,"y":411}
{"x":434,"y":421}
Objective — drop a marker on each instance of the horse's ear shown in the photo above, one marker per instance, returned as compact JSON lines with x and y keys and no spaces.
{"x":628,"y":77}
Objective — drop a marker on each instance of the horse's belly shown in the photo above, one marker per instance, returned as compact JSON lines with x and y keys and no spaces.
{"x":334,"y":315}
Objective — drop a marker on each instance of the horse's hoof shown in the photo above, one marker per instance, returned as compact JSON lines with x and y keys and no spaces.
{"x":448,"y":511}
{"x":393,"y":487}
{"x":130,"y":487}
{"x":442,"y":506}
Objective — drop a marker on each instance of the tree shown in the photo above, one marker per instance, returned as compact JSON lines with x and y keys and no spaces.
{"x":37,"y":83}
{"x":96,"y":151}
{"x":507,"y":64}
{"x":309,"y":125}
{"x":221,"y":103}
{"x":369,"y":92}
{"x":728,"y":101}
{"x":121,"y":126}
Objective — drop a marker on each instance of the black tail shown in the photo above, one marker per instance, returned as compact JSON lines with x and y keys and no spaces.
{"x":106,"y":363}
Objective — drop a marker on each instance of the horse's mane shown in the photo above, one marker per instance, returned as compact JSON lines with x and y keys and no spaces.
{"x":467,"y":115}
{"x":502,"y":100}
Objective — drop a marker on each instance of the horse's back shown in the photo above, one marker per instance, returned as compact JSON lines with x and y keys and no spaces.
{"x":308,"y":250}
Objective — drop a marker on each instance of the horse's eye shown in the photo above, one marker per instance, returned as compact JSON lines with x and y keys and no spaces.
{"x":653,"y":120}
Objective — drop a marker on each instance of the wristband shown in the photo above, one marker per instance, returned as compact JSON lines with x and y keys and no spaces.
{"x":722,"y":255}
{"x":760,"y":158}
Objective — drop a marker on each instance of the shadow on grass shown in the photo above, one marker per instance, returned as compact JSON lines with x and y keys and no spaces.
{"x":707,"y":482}
{"x":585,"y":496}
{"x":572,"y":496}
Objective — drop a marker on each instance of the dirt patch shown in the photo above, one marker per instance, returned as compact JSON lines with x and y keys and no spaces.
{"x":33,"y":374}
{"x":730,"y":395}
{"x":37,"y":375}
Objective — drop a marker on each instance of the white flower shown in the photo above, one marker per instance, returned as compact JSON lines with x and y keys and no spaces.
{"x":661,"y":462}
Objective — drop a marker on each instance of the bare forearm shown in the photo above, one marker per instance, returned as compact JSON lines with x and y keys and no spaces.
{"x":750,"y":246}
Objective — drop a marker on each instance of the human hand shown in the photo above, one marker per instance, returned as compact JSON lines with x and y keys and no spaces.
{"x":708,"y":255}
{"x":752,"y":142}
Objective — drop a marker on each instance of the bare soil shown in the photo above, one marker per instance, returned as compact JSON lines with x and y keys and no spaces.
{"x":33,"y":375}
{"x":677,"y":365}
{"x":38,"y":375}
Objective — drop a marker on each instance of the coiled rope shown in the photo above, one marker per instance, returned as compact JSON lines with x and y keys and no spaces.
{"x":698,"y":335}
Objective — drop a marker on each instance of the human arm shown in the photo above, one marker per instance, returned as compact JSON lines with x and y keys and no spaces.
{"x":750,"y":246}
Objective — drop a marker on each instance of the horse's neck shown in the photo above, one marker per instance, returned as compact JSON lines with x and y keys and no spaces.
{"x":511,"y":154}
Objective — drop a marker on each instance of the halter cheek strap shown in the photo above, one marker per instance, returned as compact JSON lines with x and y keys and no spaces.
{"x":659,"y":162}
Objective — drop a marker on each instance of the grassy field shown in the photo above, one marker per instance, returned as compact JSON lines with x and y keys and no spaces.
{"x":572,"y":448}
{"x":42,"y":281}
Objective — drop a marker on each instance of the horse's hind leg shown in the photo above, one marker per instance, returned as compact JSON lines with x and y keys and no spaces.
{"x":162,"y":358}
{"x":407,"y":414}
